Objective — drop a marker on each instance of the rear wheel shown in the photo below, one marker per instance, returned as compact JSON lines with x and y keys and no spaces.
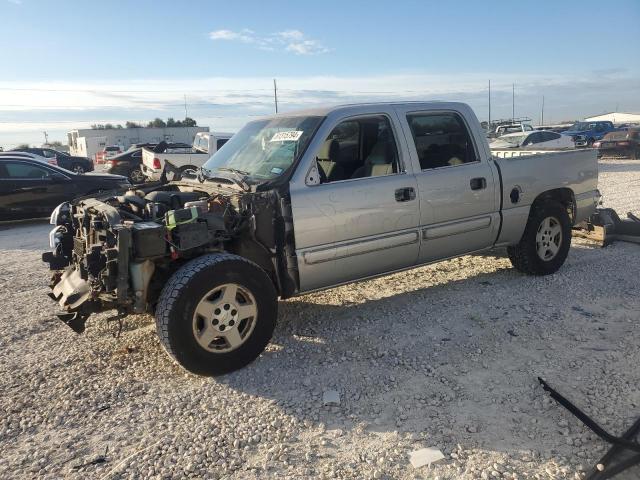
{"x":217,"y":313}
{"x":544,"y":246}
{"x":78,"y":168}
{"x":136,"y":176}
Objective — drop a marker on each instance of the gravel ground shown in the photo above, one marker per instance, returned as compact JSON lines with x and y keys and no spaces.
{"x":444,"y":356}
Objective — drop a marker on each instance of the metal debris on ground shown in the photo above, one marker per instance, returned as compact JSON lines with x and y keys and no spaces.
{"x":605,"y":227}
{"x":425,"y":456}
{"x":331,"y":397}
{"x":625,"y":450}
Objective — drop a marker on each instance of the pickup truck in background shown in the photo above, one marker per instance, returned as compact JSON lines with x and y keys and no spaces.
{"x":205,"y":144}
{"x":304,"y":201}
{"x":584,"y":134}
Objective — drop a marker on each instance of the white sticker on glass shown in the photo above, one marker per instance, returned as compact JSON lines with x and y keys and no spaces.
{"x":290,"y":136}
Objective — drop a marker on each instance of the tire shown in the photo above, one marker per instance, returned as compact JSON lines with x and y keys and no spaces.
{"x":534,"y":253}
{"x":136,"y":176}
{"x":201,"y":286}
{"x":77,"y":168}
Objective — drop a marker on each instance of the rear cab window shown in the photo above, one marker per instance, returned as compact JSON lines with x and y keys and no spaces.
{"x":442,"y":139}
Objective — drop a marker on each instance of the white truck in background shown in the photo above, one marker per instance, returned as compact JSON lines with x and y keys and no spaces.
{"x":205,"y":144}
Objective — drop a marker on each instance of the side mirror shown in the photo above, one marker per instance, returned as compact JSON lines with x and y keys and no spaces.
{"x":313,"y":175}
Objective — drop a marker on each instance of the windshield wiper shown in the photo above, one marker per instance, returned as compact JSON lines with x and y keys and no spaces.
{"x":241,"y":174}
{"x":209,"y":175}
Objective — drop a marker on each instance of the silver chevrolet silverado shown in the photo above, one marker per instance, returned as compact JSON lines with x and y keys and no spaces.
{"x":304,"y":201}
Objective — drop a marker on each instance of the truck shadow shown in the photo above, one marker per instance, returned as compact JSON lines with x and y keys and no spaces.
{"x":452,"y":362}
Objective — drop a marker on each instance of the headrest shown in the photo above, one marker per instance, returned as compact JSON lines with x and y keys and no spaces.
{"x":330,"y":150}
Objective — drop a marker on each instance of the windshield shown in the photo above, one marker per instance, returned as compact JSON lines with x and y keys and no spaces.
{"x":264,"y":149}
{"x":514,"y":140}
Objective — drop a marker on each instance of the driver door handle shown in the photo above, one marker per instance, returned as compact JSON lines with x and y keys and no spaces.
{"x":479,"y":183}
{"x":405,"y":194}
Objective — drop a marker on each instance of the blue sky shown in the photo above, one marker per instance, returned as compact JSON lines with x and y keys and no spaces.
{"x":67,"y":64}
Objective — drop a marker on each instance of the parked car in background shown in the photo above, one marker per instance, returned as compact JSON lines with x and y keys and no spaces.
{"x":585,"y":133}
{"x":205,"y":144}
{"x":129,"y":163}
{"x":63,"y":159}
{"x":30,"y":156}
{"x":508,"y":128}
{"x":107,"y":152}
{"x":625,"y":143}
{"x":536,"y":139}
{"x":30,"y":188}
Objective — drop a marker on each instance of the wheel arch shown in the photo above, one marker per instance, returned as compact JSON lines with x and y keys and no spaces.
{"x":563,"y":196}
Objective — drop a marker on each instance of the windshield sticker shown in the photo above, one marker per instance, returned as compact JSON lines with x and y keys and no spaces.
{"x":276,"y":170}
{"x":291,"y":136}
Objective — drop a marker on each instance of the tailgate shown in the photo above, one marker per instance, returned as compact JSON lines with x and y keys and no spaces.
{"x":147,"y":159}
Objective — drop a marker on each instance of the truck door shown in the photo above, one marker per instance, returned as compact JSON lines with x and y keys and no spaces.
{"x":459,"y":201}
{"x":361,"y":217}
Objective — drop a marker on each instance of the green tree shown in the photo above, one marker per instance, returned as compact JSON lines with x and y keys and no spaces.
{"x":23,"y":145}
{"x":157,"y":123}
{"x":108,"y":126}
{"x":189,"y":122}
{"x":132,"y":125}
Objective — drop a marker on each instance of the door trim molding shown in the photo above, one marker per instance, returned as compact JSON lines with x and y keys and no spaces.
{"x":456,"y":228}
{"x":358,"y":247}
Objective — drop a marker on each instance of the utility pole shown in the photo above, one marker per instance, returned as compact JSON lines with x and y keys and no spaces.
{"x":275,"y":94}
{"x":46,"y":138}
{"x":185,"y":106}
{"x":513,"y":102}
{"x":542,"y":114}
{"x":489,"y":105}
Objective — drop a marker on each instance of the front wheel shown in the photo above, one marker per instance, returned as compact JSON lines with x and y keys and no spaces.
{"x":544,"y":246}
{"x":77,"y":168}
{"x":217,"y":313}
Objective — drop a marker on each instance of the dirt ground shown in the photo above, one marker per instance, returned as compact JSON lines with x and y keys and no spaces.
{"x":444,"y":356}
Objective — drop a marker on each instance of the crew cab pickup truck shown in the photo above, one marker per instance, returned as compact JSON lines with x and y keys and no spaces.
{"x":205,"y":144}
{"x":305,"y":201}
{"x":584,"y":134}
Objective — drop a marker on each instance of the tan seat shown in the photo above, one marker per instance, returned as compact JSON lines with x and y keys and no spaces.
{"x":377,"y":163}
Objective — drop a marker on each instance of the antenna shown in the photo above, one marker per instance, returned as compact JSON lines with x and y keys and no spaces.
{"x":275,"y":93}
{"x":489,"y":104}
{"x":513,"y":101}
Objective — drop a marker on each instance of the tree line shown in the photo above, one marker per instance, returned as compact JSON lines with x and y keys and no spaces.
{"x":155,"y":123}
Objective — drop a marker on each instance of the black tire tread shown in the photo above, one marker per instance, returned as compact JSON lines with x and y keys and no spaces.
{"x":174,"y":287}
{"x":520,"y":254}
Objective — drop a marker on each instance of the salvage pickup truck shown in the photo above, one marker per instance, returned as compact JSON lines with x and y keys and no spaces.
{"x":305,"y":201}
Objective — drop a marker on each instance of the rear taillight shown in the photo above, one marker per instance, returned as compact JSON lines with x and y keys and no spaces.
{"x":52,"y":161}
{"x":623,"y":144}
{"x":112,"y":163}
{"x":156,"y":163}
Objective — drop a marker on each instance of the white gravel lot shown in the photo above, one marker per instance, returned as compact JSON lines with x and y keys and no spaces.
{"x":444,"y":356}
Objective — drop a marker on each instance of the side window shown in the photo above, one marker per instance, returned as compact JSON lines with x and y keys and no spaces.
{"x":441,"y":139}
{"x":548,"y":136}
{"x":221,"y":142}
{"x":137,"y":154}
{"x":25,"y":171}
{"x":528,"y":128}
{"x":48,"y":153}
{"x":360,"y":148}
{"x":534,"y":138}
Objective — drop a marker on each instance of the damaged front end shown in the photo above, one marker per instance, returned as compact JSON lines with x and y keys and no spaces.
{"x":116,"y":251}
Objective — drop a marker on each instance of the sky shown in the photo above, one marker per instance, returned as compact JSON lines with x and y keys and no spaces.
{"x":69,"y":64}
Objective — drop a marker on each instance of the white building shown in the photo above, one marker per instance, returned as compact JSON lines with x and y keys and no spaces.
{"x":87,"y":142}
{"x":616,"y":117}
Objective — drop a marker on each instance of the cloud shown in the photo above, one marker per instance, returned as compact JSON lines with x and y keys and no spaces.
{"x":15,"y":2}
{"x":294,"y":41}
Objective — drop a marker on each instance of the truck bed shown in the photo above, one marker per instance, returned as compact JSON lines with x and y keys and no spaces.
{"x":191,"y":158}
{"x":523,"y":177}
